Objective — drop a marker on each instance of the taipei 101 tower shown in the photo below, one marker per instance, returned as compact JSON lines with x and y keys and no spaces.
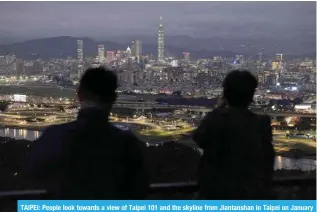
{"x":160,"y":43}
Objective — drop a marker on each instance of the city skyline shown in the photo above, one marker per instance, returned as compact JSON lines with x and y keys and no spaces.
{"x":72,"y":71}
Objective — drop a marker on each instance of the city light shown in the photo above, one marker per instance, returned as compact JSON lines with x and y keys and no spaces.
{"x":170,"y":74}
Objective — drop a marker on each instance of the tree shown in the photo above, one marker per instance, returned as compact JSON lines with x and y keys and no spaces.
{"x":283,"y":124}
{"x":60,"y":108}
{"x":4,"y":105}
{"x":177,"y":93}
{"x":303,"y":125}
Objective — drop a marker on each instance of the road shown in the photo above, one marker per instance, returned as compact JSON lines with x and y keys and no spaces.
{"x":155,"y":132}
{"x":144,"y":106}
{"x":203,"y":109}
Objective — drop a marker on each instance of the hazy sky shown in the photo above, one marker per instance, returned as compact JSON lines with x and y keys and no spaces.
{"x":196,"y":19}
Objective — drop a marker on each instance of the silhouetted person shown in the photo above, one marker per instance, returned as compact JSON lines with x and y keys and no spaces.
{"x":238,"y":159}
{"x":89,"y":158}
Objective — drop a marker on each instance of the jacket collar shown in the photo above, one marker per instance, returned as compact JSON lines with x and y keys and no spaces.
{"x":93,"y":111}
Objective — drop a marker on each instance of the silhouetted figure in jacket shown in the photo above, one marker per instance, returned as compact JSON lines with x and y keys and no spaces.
{"x":238,"y":157}
{"x":89,"y":158}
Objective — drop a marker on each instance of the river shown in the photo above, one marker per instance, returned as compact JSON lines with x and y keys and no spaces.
{"x":280,"y":162}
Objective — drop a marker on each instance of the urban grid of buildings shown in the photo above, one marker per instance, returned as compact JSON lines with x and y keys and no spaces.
{"x":139,"y":72}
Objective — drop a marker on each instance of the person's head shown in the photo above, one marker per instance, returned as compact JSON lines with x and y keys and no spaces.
{"x":239,"y":88}
{"x":98,"y":85}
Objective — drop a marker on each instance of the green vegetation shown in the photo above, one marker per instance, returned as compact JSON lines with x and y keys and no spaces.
{"x":3,"y":105}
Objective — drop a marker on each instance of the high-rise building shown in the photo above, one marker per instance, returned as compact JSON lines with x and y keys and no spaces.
{"x":130,"y":62}
{"x":80,"y":57}
{"x":110,"y":56}
{"x":261,"y":78}
{"x":80,"y":51}
{"x":136,"y":48}
{"x":101,"y":53}
{"x":186,"y":56}
{"x":279,"y":57}
{"x":278,"y":62}
{"x":160,"y":43}
{"x":128,"y":52}
{"x":20,"y":68}
{"x":277,"y":77}
{"x":260,"y":58}
{"x":275,"y":65}
{"x":174,"y":63}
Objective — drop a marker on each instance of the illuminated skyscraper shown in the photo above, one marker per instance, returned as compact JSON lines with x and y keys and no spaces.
{"x":80,"y":57}
{"x":174,"y":63}
{"x":160,"y":43}
{"x":128,"y":51}
{"x":136,"y":48}
{"x":101,"y":53}
{"x":275,"y":65}
{"x":110,"y":56}
{"x":279,"y":61}
{"x":80,"y":51}
{"x":279,"y":57}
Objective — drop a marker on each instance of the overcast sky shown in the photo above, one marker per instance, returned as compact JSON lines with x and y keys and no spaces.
{"x":196,"y":19}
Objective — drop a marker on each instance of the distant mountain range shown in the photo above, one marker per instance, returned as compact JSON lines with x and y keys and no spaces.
{"x":60,"y":47}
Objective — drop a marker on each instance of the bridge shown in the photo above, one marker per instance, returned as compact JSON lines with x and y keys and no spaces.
{"x":144,"y":106}
{"x":154,"y":105}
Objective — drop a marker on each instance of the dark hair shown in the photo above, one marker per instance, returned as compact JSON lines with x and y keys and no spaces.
{"x":239,"y":88}
{"x":98,"y":84}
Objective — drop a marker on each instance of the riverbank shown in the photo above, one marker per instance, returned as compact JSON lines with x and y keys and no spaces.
{"x":284,"y":147}
{"x":18,"y":127}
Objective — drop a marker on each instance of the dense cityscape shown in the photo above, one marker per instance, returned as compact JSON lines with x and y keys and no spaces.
{"x":139,"y":72}
{"x":162,"y":99}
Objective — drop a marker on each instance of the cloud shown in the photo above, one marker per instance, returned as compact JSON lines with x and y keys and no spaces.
{"x":189,"y":18}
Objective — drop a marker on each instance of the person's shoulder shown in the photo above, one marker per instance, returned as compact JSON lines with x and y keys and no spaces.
{"x":217,"y":112}
{"x":128,"y":140}
{"x":264,"y":117}
{"x":211,"y":116}
{"x":123,"y":134}
{"x":60,"y":128}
